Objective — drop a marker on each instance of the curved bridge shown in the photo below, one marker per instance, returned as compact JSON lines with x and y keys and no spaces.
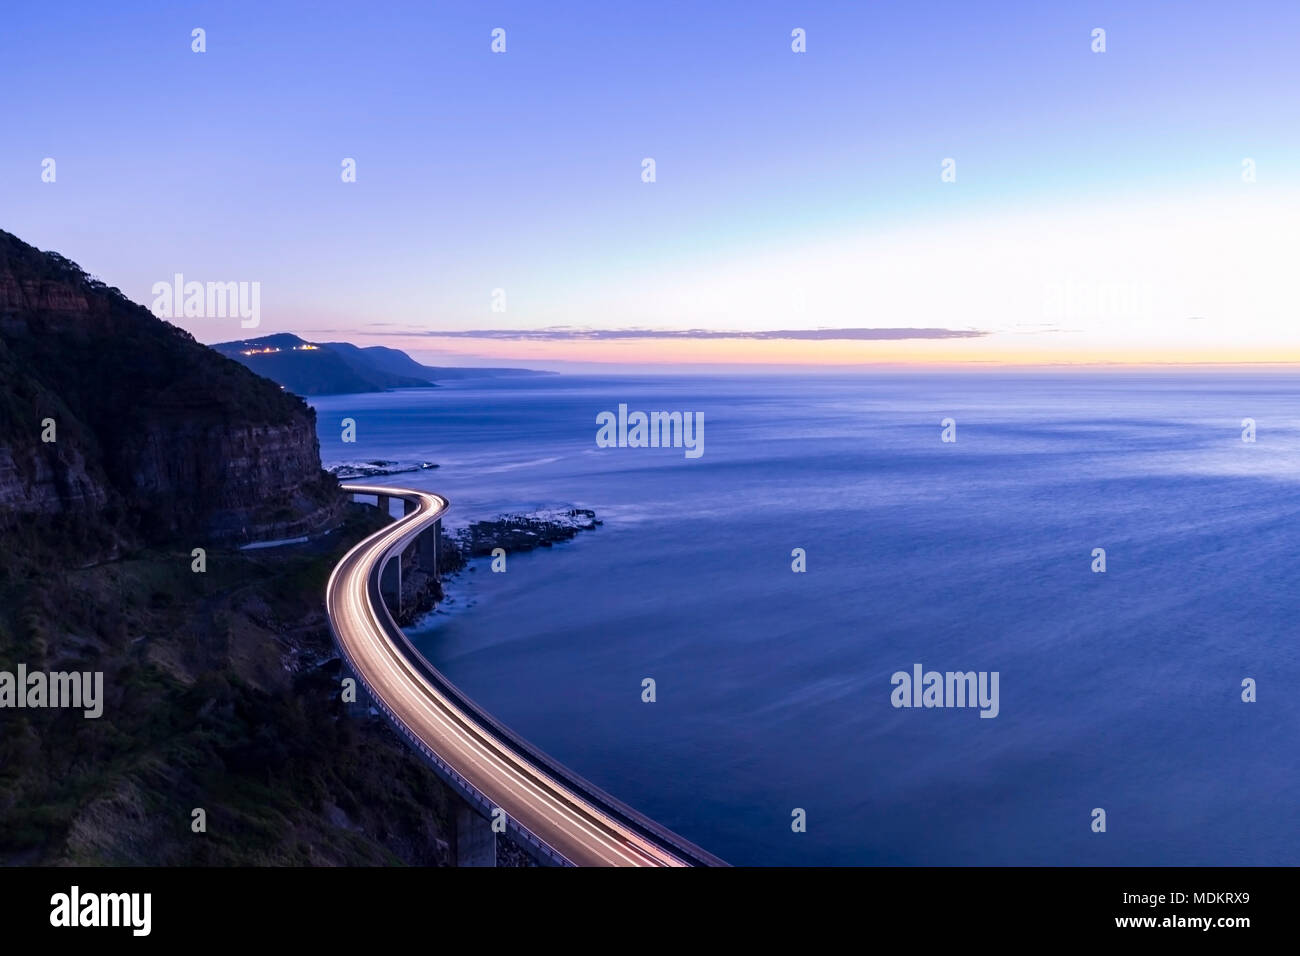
{"x":561,"y":818}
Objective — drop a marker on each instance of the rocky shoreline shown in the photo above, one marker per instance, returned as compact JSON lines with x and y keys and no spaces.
{"x":515,"y":533}
{"x":348,"y":470}
{"x":520,"y":532}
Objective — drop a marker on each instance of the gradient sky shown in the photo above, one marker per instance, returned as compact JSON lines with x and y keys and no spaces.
{"x":1099,"y":212}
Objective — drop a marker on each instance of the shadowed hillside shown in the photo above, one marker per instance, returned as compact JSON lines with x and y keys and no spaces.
{"x":220,"y":688}
{"x":155,"y":434}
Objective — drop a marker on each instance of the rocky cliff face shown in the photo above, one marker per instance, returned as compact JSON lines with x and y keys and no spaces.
{"x":155,"y":436}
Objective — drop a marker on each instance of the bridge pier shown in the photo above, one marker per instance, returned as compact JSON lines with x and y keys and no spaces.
{"x":390,"y":584}
{"x":476,"y":844}
{"x":385,"y":505}
{"x":426,"y":543}
{"x":428,"y":549}
{"x":407,"y":507}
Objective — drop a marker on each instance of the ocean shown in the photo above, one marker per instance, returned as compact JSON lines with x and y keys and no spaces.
{"x":1118,"y":690}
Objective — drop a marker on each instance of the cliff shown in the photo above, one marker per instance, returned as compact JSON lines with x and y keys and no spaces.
{"x":156,"y":436}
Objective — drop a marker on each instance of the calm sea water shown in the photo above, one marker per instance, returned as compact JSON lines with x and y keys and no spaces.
{"x":1119,"y":690}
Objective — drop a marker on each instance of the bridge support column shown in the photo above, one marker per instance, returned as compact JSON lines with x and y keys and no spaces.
{"x":476,"y":844}
{"x":427,"y":545}
{"x":390,"y":584}
{"x":407,"y":507}
{"x":385,"y":505}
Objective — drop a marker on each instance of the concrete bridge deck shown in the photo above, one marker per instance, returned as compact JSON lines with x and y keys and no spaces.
{"x":559,"y":817}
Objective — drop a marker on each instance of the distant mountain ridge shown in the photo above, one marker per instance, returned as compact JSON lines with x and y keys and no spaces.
{"x":335,"y":368}
{"x":311,"y":368}
{"x":398,"y":362}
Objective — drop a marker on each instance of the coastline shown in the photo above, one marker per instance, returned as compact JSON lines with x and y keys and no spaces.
{"x":691,"y":583}
{"x":555,"y":814}
{"x":472,"y":546}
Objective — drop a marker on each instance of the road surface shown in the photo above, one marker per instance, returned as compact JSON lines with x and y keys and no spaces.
{"x":580,"y":823}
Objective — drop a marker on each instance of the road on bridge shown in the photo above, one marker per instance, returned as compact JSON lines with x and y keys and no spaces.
{"x":579,"y":822}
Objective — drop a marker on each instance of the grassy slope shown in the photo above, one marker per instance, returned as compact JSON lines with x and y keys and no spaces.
{"x":213,"y":700}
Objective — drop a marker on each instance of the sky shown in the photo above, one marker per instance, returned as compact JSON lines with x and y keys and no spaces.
{"x":1102,"y":208}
